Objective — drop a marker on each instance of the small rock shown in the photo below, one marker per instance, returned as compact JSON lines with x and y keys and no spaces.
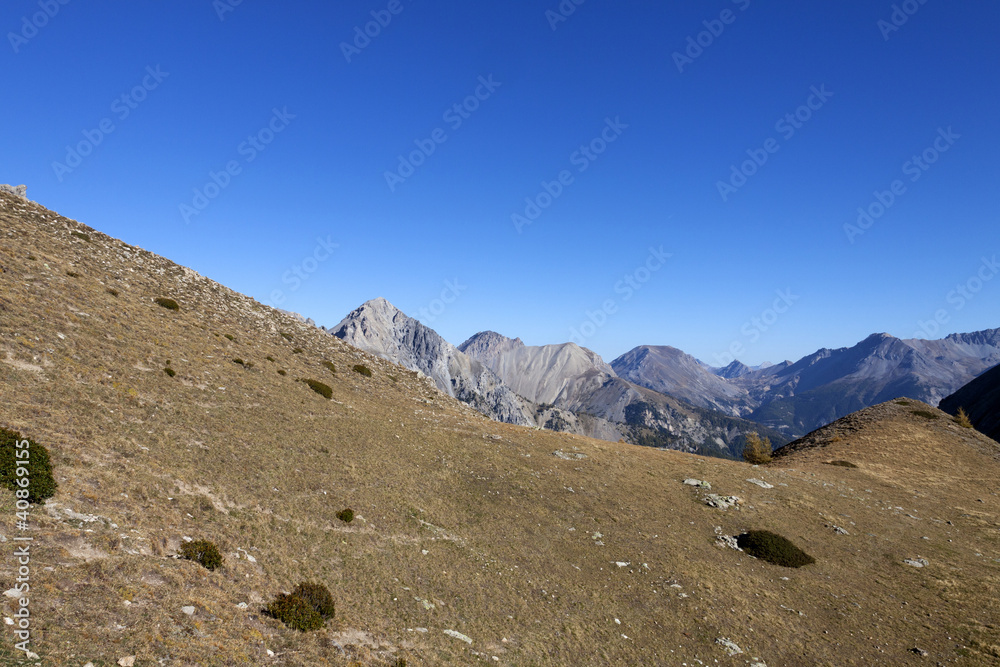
{"x":12,"y":592}
{"x":188,"y":610}
{"x":622,"y":563}
{"x":569,"y":456}
{"x":243,"y":605}
{"x":458,"y":635}
{"x":761,"y":483}
{"x":722,"y":502}
{"x":840,"y":531}
{"x":919,"y":651}
{"x":699,"y":483}
{"x":916,"y":562}
{"x":727,"y":541}
{"x":270,"y":653}
{"x":729,"y":646}
{"x":8,"y":620}
{"x":127,"y":661}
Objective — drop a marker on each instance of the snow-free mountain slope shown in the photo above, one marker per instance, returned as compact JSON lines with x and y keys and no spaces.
{"x":981,"y":401}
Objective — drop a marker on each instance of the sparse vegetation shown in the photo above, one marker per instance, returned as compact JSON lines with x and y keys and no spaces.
{"x":294,"y":612}
{"x":361,"y":369}
{"x":169,"y":304}
{"x":81,"y":235}
{"x":757,"y":451}
{"x":842,"y":464}
{"x":36,"y":466}
{"x":170,"y":371}
{"x":330,"y":367}
{"x":297,"y":350}
{"x":230,"y":337}
{"x":112,"y":291}
{"x":32,"y":258}
{"x":926,"y":414}
{"x":902,"y":402}
{"x":202,"y":552}
{"x":269,"y":358}
{"x":322,"y":389}
{"x":773,"y":548}
{"x":346,"y":515}
{"x":245,"y":364}
{"x":287,"y":336}
{"x":72,"y":274}
{"x":282,"y":372}
{"x":962,"y":419}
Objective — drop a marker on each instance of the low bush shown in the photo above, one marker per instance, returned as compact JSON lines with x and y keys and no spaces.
{"x":286,"y":336}
{"x":962,"y":419}
{"x":842,"y":464}
{"x":81,"y":235}
{"x":269,"y":358}
{"x":902,"y":402}
{"x":323,"y":390}
{"x":230,"y":337}
{"x":330,"y":367}
{"x":245,"y":364}
{"x":112,"y":291}
{"x":202,"y":552}
{"x":72,"y":274}
{"x":297,"y":350}
{"x":773,"y":548}
{"x":294,"y":612}
{"x":169,"y":304}
{"x":361,"y":369}
{"x":37,"y":465}
{"x":282,"y":372}
{"x":317,"y":596}
{"x":926,"y":414}
{"x":32,"y":258}
{"x":346,"y":515}
{"x":170,"y":371}
{"x":757,"y":451}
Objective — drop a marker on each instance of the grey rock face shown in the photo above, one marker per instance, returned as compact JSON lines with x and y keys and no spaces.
{"x":381,"y":328}
{"x":18,"y":191}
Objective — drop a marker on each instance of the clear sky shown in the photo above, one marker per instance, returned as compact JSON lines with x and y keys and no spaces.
{"x":624,"y":173}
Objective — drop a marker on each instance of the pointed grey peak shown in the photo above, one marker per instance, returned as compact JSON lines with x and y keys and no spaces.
{"x":300,"y":318}
{"x":734,"y":370}
{"x":380,"y":328}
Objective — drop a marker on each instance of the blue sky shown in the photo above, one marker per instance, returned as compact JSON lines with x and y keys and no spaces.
{"x":575,"y":190}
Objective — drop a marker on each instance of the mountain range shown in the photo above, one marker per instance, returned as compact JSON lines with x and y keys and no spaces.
{"x":661,"y":396}
{"x":981,"y":401}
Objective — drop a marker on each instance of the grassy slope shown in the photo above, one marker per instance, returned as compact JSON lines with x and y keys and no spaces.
{"x":257,"y":461}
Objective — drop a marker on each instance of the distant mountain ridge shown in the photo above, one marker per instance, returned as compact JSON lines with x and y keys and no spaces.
{"x":826,"y":385}
{"x":380,"y":328}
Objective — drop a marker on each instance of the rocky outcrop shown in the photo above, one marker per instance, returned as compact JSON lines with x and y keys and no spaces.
{"x":18,"y":191}
{"x":381,"y":328}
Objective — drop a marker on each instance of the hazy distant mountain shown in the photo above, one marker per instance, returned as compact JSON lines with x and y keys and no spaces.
{"x":821,"y":387}
{"x":829,"y":384}
{"x":981,"y":401}
{"x":570,"y":382}
{"x":381,"y":328}
{"x":670,"y":371}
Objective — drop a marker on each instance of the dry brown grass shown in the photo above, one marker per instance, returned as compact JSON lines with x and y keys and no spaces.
{"x":260,"y":464}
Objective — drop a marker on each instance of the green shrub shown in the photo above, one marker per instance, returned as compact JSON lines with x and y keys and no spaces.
{"x":282,"y":372}
{"x":38,"y":465}
{"x":203,"y":552}
{"x":269,"y":358}
{"x":112,"y":291}
{"x":757,"y":451}
{"x":72,"y":274}
{"x":294,"y":612}
{"x":346,"y":515}
{"x":245,"y":364}
{"x":926,"y":414}
{"x":286,"y":336}
{"x":297,"y":350}
{"x":81,"y":235}
{"x":169,"y":304}
{"x":773,"y":548}
{"x":170,"y":371}
{"x":842,"y":464}
{"x":363,"y":370}
{"x":317,"y":596}
{"x":32,"y":258}
{"x":330,"y":367}
{"x":323,"y":390}
{"x":962,"y":419}
{"x":230,"y":337}
{"x":902,"y":402}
